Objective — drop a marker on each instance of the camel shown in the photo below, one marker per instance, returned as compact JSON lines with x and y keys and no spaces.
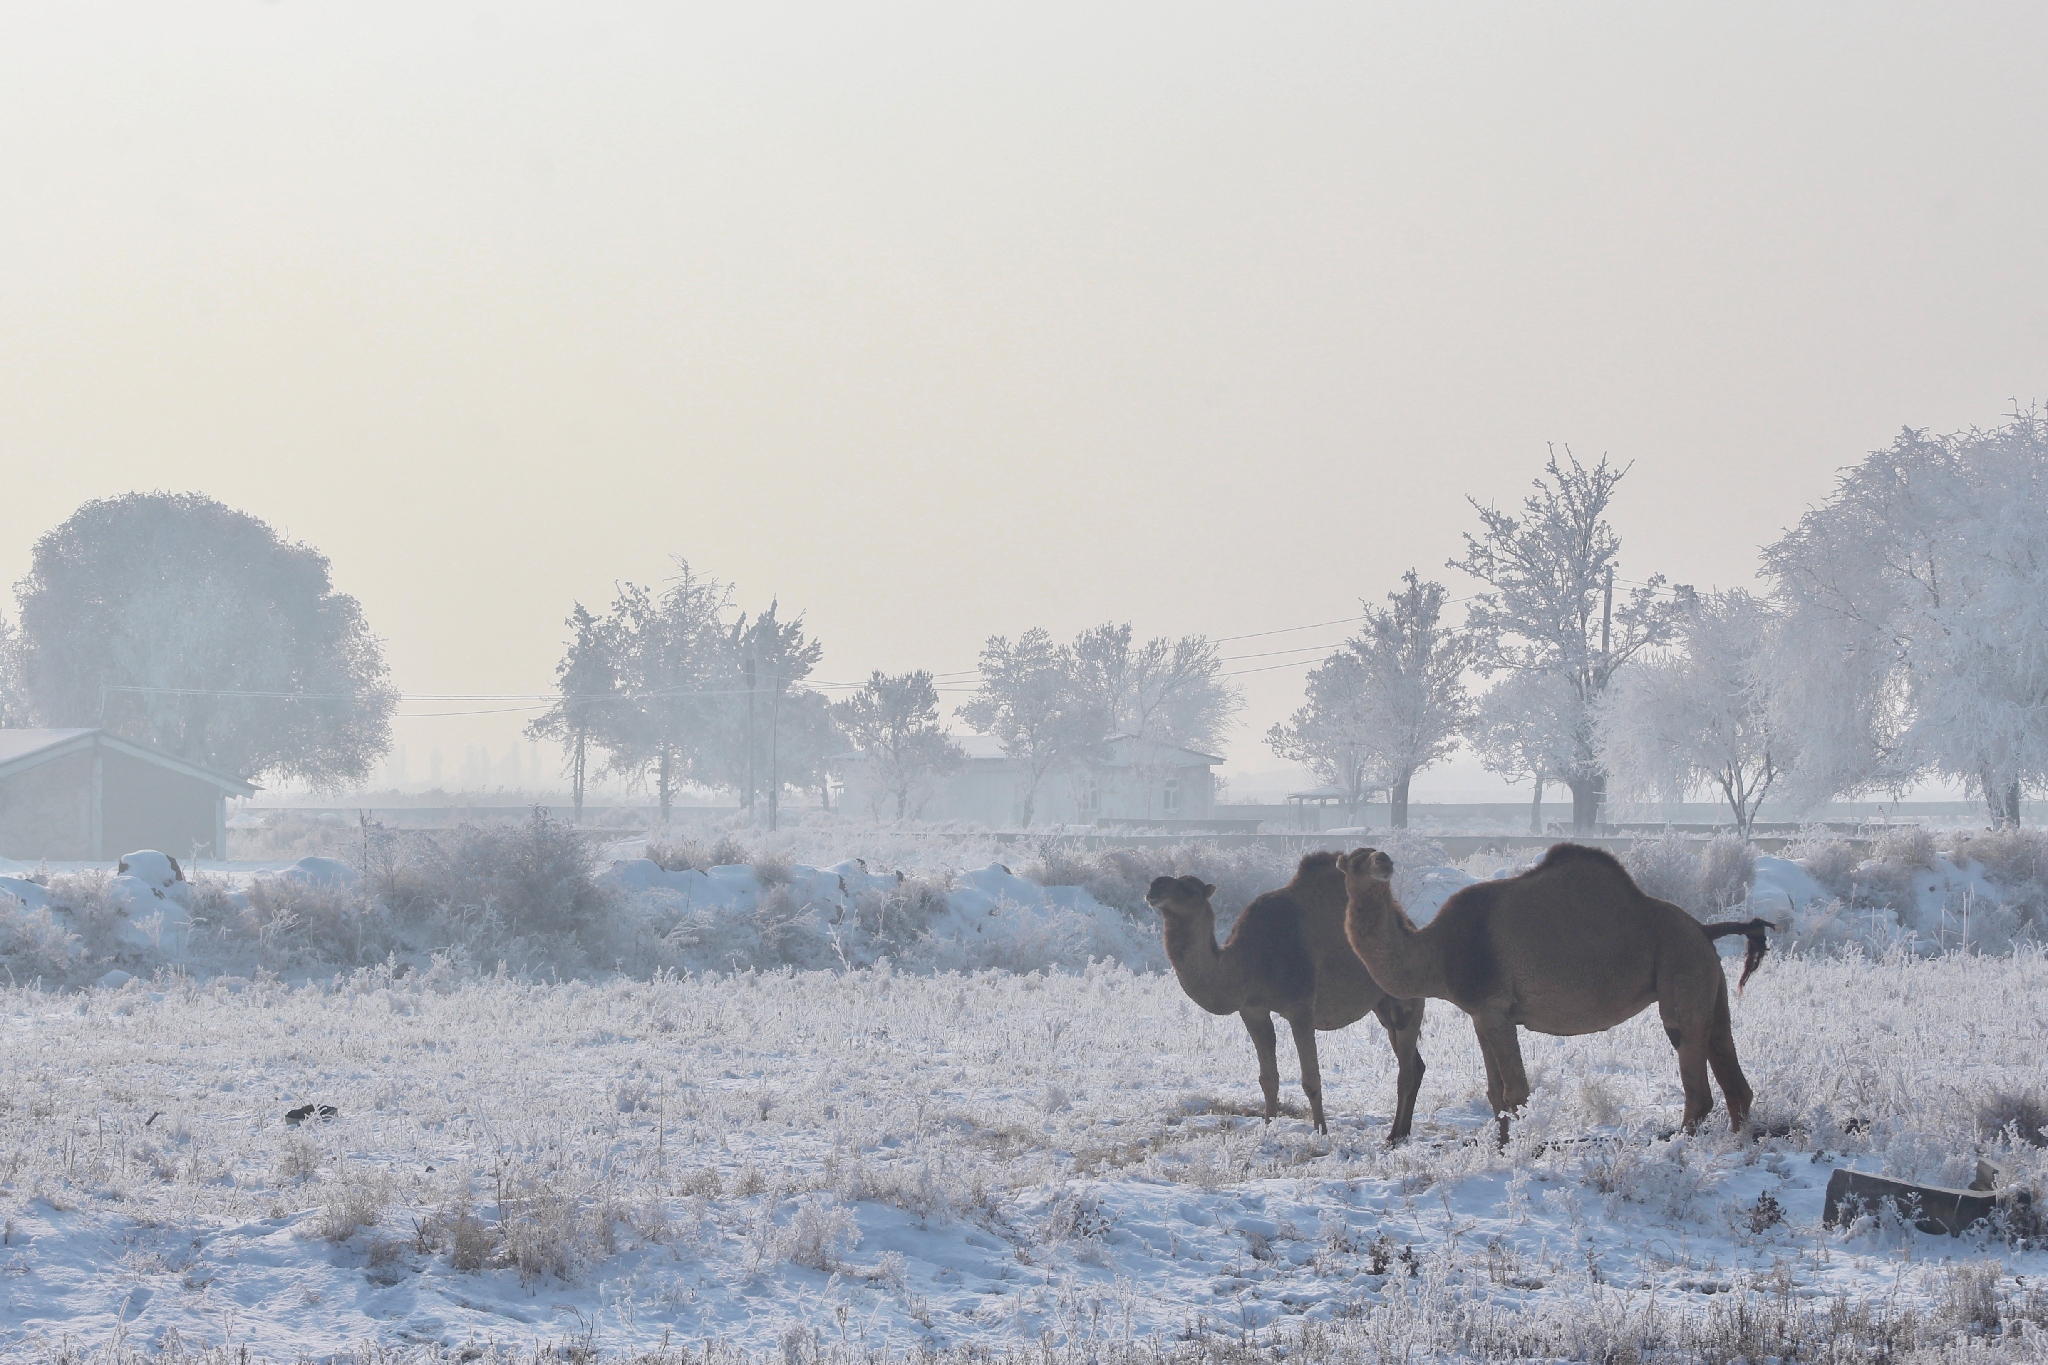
{"x":1571,"y":946}
{"x":1287,"y":955}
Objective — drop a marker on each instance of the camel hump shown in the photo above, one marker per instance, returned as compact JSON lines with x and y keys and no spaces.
{"x":1316,"y":862}
{"x":1562,"y":854}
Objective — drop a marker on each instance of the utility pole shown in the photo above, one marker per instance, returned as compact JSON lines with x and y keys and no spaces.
{"x":1606,"y":627}
{"x":774,"y":752}
{"x":749,"y":802}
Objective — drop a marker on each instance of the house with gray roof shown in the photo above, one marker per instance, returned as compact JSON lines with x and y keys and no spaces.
{"x":83,"y":795}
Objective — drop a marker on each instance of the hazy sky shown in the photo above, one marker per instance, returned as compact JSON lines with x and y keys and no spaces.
{"x":946,"y":320}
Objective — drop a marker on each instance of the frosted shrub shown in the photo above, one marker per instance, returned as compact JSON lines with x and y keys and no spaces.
{"x":820,"y":1236}
{"x":1705,"y":878}
{"x":82,"y":896}
{"x":34,"y":946}
{"x":293,"y":924}
{"x":1905,"y":846}
{"x":527,"y":894}
{"x":1727,"y":872}
{"x":543,"y":1231}
{"x":895,"y":920}
{"x":2023,"y":1112}
{"x":356,"y":1202}
{"x":2016,"y":861}
{"x":1119,"y":877}
{"x":1828,"y":860}
{"x":692,"y":855}
{"x":1665,"y":867}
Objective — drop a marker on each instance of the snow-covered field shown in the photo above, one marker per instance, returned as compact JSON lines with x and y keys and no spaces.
{"x":850,"y":1162}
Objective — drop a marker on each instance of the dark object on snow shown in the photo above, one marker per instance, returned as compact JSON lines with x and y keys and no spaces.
{"x":297,"y":1116}
{"x":1932,"y":1207}
{"x":152,"y":1118}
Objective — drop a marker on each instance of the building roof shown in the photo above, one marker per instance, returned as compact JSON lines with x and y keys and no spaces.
{"x":1128,"y":743}
{"x":988,"y":748}
{"x":21,"y":750}
{"x":980,"y":746}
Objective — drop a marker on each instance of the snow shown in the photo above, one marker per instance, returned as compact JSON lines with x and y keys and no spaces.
{"x":151,"y":868}
{"x":952,"y":1159}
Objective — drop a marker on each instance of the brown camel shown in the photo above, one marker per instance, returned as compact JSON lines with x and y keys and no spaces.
{"x":1571,"y":946}
{"x":1287,"y":956}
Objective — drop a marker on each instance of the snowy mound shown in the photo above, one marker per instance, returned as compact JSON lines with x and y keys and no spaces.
{"x":159,"y":870}
{"x":726,"y":918}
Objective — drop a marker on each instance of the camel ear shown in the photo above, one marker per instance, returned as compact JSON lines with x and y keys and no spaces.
{"x":1207,"y":889}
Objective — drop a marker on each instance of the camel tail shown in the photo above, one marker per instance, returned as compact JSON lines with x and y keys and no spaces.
{"x":1751,"y":929}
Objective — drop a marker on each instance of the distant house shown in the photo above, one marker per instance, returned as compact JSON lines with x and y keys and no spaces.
{"x":71,"y":795}
{"x":1134,"y":780}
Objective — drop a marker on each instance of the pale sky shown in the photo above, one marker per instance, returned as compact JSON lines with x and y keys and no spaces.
{"x":937,"y":321}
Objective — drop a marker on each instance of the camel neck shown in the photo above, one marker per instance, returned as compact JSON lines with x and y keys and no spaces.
{"x":1386,"y":939}
{"x":1204,"y":973}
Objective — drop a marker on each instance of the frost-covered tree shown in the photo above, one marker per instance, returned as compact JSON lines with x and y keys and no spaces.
{"x":13,"y":706}
{"x":1168,"y":691}
{"x":1916,"y":618}
{"x":1030,"y":702}
{"x":179,"y":622}
{"x":671,"y":657}
{"x":805,"y":747}
{"x":773,"y":657}
{"x":893,"y":721}
{"x":1705,"y":713}
{"x":1526,"y":725}
{"x":1414,"y":684}
{"x":1549,"y":605}
{"x":1389,"y":704}
{"x":1331,"y":733}
{"x":586,"y":687}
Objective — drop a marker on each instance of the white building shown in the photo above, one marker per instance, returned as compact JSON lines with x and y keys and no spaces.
{"x":1135,"y":780}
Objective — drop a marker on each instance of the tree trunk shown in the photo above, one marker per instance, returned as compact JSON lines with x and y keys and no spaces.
{"x":1536,"y":807}
{"x":2003,"y":799}
{"x":2003,"y":803}
{"x":662,"y":781}
{"x":1587,"y":795}
{"x":1397,"y":802}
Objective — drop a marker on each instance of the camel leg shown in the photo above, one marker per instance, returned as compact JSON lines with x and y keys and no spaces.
{"x":1311,"y":1073}
{"x":1727,"y":1070}
{"x":1507,"y":1084}
{"x":1403,"y":1022}
{"x":1259,"y":1024}
{"x":1689,"y":1036}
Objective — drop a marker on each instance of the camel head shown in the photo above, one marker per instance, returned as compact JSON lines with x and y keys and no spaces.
{"x":1366,"y":865}
{"x":1179,"y":897}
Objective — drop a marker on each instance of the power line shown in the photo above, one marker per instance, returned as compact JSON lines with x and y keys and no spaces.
{"x":952,"y":682}
{"x":1284,"y":630}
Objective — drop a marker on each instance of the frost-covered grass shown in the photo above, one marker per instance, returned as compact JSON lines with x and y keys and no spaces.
{"x":862,"y":1161}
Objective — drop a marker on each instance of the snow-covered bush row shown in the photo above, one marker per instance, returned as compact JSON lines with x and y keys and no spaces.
{"x":1006,"y":1160}
{"x":537,"y":899}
